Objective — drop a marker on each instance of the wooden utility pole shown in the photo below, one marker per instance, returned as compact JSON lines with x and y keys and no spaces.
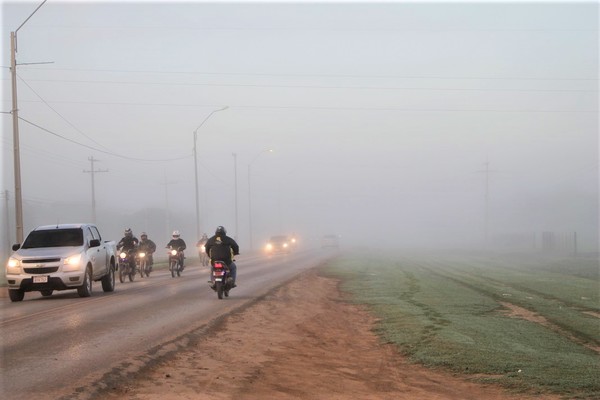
{"x":93,"y":171}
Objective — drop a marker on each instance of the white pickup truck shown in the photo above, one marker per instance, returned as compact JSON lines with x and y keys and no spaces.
{"x":61,"y":257}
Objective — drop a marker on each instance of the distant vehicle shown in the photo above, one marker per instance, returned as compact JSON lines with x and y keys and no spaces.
{"x":278,"y":244}
{"x":61,"y":257}
{"x":331,"y":241}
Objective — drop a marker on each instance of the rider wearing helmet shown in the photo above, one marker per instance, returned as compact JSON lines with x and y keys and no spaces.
{"x":128,"y":243}
{"x":178,"y":244}
{"x":149,"y":247}
{"x":202,"y":240}
{"x":222,"y":247}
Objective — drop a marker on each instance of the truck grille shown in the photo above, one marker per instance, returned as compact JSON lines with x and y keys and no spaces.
{"x":40,"y":260}
{"x":40,"y":270}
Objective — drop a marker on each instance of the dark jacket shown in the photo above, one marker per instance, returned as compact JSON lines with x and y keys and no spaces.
{"x":128,"y":243}
{"x":148,"y":246}
{"x":177,"y":244}
{"x":222,"y":248}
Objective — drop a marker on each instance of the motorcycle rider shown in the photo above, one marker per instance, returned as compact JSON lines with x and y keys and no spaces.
{"x":202,"y":240}
{"x":224,"y":248}
{"x":128,"y":244}
{"x":149,"y":247}
{"x":201,"y":253}
{"x":178,"y":244}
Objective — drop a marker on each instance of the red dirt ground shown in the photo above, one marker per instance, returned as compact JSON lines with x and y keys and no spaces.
{"x":303,"y":341}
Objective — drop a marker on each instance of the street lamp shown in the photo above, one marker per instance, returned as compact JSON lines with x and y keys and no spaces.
{"x":250,"y":194}
{"x":196,"y":169}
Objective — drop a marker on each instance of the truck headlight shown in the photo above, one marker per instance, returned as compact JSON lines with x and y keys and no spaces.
{"x":13,"y":266}
{"x":269,"y":247}
{"x":72,"y":263}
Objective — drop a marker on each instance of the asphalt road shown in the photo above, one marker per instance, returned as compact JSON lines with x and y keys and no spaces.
{"x":63,"y":346}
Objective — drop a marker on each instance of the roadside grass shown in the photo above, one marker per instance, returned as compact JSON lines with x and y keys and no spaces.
{"x":451,"y":311}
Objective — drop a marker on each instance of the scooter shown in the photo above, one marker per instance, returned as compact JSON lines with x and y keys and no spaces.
{"x":221,"y":279}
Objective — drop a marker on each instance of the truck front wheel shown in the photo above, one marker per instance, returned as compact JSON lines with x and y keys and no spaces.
{"x":16,"y":294}
{"x":85,"y":290}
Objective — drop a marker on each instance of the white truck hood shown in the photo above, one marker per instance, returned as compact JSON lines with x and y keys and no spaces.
{"x":47,"y":252}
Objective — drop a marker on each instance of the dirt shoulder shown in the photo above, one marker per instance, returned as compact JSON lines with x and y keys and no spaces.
{"x":303,"y":341}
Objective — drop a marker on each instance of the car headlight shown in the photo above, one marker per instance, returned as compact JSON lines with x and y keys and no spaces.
{"x":13,"y":266}
{"x":72,"y":263}
{"x":285,"y":245}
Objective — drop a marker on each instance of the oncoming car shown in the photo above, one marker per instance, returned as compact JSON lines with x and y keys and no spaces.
{"x":278,"y":244}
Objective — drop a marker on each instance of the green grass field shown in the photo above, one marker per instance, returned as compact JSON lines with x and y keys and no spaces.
{"x":452,"y":311}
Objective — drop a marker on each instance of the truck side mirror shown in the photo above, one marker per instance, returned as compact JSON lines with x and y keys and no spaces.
{"x":16,"y":247}
{"x":94,"y":243}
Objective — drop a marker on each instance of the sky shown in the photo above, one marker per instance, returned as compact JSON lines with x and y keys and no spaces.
{"x":392,"y":124}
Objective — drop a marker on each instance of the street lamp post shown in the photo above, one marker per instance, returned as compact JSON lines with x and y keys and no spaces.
{"x":196,"y":169}
{"x":250,"y":195}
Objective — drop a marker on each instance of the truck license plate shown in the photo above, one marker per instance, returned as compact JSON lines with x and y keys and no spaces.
{"x":40,"y":279}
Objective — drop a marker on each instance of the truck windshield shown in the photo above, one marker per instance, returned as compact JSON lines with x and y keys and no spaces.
{"x":54,"y":238}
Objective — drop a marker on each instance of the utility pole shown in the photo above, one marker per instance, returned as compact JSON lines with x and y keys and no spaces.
{"x":92,"y":171}
{"x":15,"y":115}
{"x":235,"y":236}
{"x":167,"y":220}
{"x":7,"y":219}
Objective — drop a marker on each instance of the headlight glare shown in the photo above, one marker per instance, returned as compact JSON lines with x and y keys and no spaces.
{"x":13,"y":266}
{"x":73,"y":260}
{"x":72,"y":263}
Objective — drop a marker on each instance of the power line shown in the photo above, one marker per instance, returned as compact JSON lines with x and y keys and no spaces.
{"x":103,"y":151}
{"x":310,"y":86}
{"x":60,"y":115}
{"x":324,"y":108}
{"x":322,"y":75}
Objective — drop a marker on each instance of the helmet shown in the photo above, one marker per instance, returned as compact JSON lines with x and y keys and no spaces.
{"x":220,"y":231}
{"x":144,"y":235}
{"x":128,"y":232}
{"x":176,"y":235}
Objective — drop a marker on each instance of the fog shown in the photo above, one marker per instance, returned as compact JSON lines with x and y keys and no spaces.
{"x":398,"y":125}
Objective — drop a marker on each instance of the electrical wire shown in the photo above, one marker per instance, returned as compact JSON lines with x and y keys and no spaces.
{"x":60,"y":115}
{"x":103,"y":151}
{"x":312,"y":86}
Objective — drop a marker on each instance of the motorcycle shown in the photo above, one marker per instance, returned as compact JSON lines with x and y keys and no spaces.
{"x":143,"y":264}
{"x":202,"y":255}
{"x":125,"y":268}
{"x":175,"y":262}
{"x":221,"y":280}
